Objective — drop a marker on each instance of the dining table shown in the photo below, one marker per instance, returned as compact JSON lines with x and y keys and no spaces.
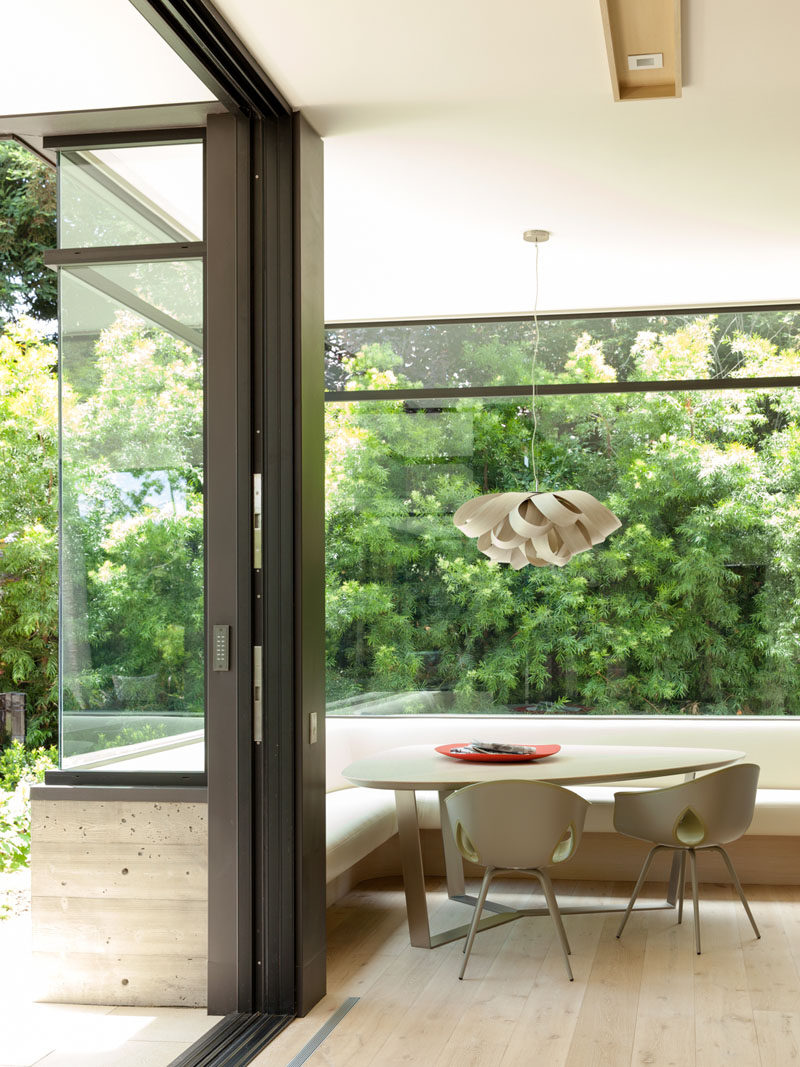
{"x":421,"y":767}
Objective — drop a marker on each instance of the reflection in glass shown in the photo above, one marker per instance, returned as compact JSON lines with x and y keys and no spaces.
{"x":167,"y":293}
{"x":132,"y":514}
{"x":601,"y":348}
{"x":130,"y":196}
{"x":691,"y":608}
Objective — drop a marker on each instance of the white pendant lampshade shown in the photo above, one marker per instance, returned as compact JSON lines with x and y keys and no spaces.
{"x":536,"y":528}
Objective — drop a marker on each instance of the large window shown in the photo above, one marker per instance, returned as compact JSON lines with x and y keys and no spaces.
{"x":684,"y":425}
{"x":131,"y":380}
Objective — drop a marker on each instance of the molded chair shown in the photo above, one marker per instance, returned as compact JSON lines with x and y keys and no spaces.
{"x":517,"y":826}
{"x":703,"y":814}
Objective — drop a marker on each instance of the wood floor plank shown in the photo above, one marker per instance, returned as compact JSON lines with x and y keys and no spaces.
{"x":772,"y":976}
{"x":499,"y":996}
{"x":421,"y":1020}
{"x":778,"y":1037}
{"x":413,"y":1021}
{"x":664,"y":1031}
{"x":546,"y":1026}
{"x":358,"y":1041}
{"x":787,"y":899}
{"x":607,"y":1020}
{"x":282,"y":1049}
{"x":363,"y":941}
{"x":724,"y":1026}
{"x":646,"y":999}
{"x":429,"y":1028}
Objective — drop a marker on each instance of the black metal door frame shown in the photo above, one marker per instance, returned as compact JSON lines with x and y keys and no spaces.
{"x":265,"y":575}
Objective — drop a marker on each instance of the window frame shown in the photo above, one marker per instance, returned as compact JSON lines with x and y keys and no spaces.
{"x":143,"y":253}
{"x":427,"y":393}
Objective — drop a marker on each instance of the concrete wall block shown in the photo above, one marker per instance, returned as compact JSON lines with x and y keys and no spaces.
{"x":120,"y":901}
{"x":119,"y":821}
{"x":124,"y":872}
{"x":121,"y":927}
{"x":132,"y":980}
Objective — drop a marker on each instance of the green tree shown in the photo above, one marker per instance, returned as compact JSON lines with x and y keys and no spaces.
{"x":28,"y":522}
{"x":132,"y":514}
{"x":27,"y":227}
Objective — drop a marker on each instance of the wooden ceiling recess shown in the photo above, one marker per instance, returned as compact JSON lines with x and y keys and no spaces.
{"x":643,"y":38}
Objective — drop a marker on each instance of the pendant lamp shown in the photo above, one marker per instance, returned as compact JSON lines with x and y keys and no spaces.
{"x":536,"y":528}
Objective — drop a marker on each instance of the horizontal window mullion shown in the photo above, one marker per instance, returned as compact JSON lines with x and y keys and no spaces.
{"x":91,"y":142}
{"x":678,"y":385}
{"x":69,"y":257}
{"x":105,"y":778}
{"x":562,"y":316}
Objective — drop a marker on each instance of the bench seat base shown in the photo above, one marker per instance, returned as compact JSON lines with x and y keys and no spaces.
{"x":362,"y":840}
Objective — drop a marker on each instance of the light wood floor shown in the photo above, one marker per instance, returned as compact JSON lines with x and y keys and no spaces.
{"x":646,"y":999}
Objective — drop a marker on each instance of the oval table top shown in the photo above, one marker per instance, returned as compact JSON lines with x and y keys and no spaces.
{"x":422,"y":767}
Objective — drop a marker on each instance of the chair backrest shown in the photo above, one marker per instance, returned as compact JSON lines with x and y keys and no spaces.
{"x":516,"y":823}
{"x":707,"y":811}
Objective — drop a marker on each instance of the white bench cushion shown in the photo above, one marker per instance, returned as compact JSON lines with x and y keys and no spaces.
{"x":358,"y":820}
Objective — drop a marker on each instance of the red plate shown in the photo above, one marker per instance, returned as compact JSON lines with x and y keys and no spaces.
{"x":497,"y":757}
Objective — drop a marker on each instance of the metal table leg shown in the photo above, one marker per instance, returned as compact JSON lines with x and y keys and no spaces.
{"x":414,"y":880}
{"x":413,"y":875}
{"x":453,"y":863}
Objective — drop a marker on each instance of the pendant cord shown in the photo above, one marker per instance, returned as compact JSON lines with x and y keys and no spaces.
{"x":533,"y":373}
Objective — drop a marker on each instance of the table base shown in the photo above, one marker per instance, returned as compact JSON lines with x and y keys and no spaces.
{"x":505,"y":914}
{"x":414,"y":882}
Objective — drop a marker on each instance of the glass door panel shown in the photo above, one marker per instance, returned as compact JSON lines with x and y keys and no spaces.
{"x":132,"y":625}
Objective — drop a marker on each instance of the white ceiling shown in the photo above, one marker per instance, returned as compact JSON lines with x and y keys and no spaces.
{"x":74,"y":55}
{"x":450,"y":127}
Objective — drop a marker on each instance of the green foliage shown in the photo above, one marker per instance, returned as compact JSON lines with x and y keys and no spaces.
{"x":693,"y":606}
{"x":21,"y":764}
{"x":132,"y":735}
{"x":132,"y":519}
{"x":494,"y":353}
{"x":132,"y":486}
{"x":27,"y":227}
{"x":19,"y":769}
{"x":132,"y":515}
{"x":15,"y":829}
{"x":28,"y":521}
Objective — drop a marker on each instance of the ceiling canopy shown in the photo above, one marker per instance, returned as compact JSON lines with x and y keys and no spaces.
{"x":450,"y":128}
{"x":84,"y":54}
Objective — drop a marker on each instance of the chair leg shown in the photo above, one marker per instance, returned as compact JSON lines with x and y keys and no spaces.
{"x":693,"y":870}
{"x":487,"y":879}
{"x":737,"y":883}
{"x":638,"y":887}
{"x":552,"y":906}
{"x":681,"y":884}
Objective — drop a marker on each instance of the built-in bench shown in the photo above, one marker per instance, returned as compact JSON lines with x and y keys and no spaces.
{"x":362,"y":824}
